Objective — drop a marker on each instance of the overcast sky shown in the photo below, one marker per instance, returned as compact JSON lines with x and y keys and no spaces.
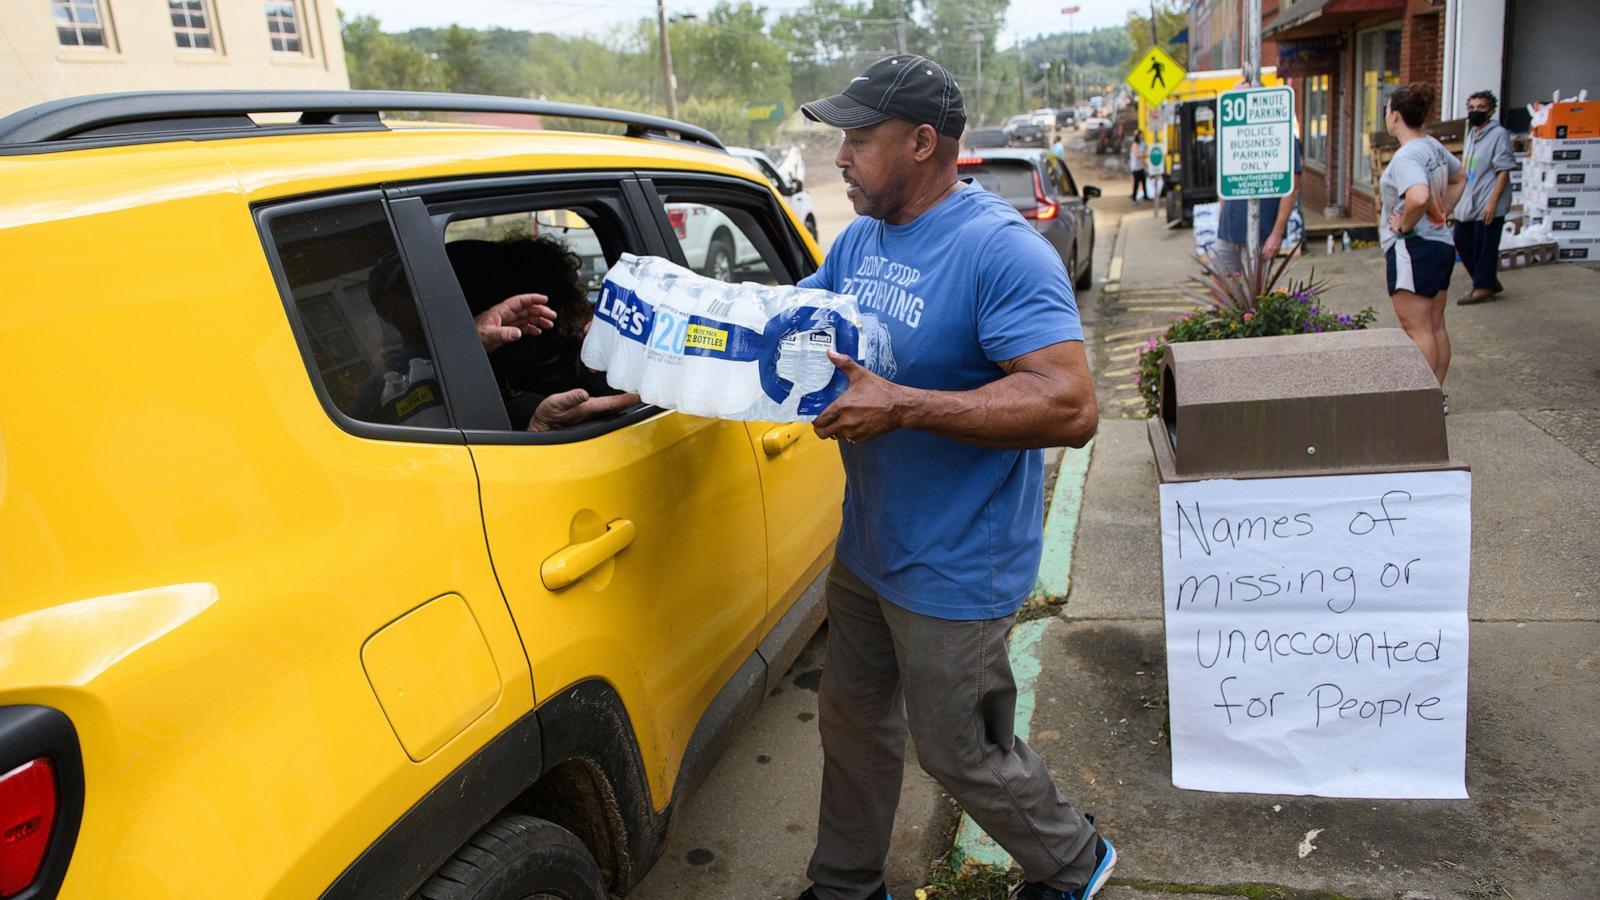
{"x":1026,"y":18}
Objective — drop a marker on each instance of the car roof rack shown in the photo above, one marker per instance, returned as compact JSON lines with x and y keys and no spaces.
{"x":139,"y":117}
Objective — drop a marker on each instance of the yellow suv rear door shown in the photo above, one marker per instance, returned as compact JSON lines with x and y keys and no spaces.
{"x":802,"y":480}
{"x":633,"y":550}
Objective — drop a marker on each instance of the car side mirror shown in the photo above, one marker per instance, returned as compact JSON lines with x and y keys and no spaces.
{"x":796,"y":186}
{"x":1090,"y":192}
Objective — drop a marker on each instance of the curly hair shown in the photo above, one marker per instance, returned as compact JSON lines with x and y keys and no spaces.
{"x":1412,"y":101}
{"x":1487,"y":97}
{"x":491,"y":271}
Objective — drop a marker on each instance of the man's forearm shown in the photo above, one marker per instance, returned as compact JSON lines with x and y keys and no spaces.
{"x":1020,"y":411}
{"x":1285,"y":208}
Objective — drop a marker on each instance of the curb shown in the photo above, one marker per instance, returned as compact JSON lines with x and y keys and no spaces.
{"x":972,"y":845}
{"x":1114,"y":271}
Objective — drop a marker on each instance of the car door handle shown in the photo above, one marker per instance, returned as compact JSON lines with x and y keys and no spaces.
{"x":574,"y":561}
{"x":779,"y":439}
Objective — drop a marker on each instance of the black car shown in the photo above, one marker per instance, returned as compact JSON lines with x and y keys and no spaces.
{"x":1028,"y":135}
{"x":1041,"y":187}
{"x":985,"y":138}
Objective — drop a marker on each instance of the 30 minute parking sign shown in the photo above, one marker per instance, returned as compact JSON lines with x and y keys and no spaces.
{"x":1255,"y":143}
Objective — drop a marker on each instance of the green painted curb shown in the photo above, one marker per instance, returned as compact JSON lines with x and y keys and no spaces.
{"x":1055,"y":571}
{"x":1061,"y":523}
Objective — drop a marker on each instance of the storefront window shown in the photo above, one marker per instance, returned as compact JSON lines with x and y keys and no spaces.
{"x":1377,"y":76}
{"x":1316,"y":128}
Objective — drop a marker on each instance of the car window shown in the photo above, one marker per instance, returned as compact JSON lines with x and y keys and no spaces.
{"x":1060,"y":181}
{"x":727,"y":233}
{"x":766,"y":168}
{"x":560,"y":252}
{"x":357,"y":313}
{"x":1072,"y":183}
{"x":1011,"y":179}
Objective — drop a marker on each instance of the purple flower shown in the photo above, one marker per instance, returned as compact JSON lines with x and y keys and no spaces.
{"x":1344,"y":320}
{"x":1319,"y":329}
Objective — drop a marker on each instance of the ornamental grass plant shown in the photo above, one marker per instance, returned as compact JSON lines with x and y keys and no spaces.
{"x":1251,"y":304}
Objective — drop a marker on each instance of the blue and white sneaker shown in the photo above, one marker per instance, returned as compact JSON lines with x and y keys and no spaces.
{"x":1105,"y":858}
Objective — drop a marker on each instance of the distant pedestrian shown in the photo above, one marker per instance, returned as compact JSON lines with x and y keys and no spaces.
{"x":1421,"y":181}
{"x":943,"y":502}
{"x":1059,"y":148}
{"x":1136,"y":165}
{"x":1481,"y":214}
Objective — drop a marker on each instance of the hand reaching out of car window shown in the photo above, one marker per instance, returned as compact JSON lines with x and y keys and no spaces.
{"x":573,"y":407}
{"x":513,"y":317}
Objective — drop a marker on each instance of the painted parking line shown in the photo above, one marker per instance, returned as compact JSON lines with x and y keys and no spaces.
{"x":1142,"y":331}
{"x":1055,"y":578}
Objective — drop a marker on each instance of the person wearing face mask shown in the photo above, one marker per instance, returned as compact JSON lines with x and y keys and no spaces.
{"x":1420,"y":183}
{"x":1481,"y":213}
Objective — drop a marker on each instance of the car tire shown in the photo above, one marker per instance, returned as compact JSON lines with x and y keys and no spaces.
{"x":1086,"y":276}
{"x":811,"y":226}
{"x":719,"y":258}
{"x":518,"y":857}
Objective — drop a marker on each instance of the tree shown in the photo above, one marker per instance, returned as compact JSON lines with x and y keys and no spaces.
{"x":1172,"y":16}
{"x":384,"y":62}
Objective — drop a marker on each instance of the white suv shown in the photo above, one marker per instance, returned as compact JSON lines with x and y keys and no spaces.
{"x":792,"y":191}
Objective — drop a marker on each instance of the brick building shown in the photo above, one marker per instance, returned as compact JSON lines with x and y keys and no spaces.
{"x":65,"y":48}
{"x":1344,"y":57}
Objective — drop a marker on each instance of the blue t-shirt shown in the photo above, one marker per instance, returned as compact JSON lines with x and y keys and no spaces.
{"x":936,"y":526}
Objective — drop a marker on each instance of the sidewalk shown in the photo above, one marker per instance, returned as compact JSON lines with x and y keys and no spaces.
{"x":1525,"y":415}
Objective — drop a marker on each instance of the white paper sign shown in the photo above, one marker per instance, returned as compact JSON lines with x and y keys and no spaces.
{"x":1317,"y":634}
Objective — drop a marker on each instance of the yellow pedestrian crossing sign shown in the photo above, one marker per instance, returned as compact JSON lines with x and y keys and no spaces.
{"x":1155,"y":75}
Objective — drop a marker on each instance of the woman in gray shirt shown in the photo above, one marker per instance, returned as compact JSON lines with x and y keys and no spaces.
{"x":1419,"y":184}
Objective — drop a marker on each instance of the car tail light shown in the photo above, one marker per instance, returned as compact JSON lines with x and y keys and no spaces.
{"x":969,"y":161}
{"x":27,"y":814}
{"x":1044,"y":207}
{"x":679,"y":220}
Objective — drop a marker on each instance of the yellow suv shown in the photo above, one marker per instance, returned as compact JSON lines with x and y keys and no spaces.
{"x":292,"y":604}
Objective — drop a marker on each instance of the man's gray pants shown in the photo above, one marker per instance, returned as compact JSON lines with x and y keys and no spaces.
{"x":950,"y":681}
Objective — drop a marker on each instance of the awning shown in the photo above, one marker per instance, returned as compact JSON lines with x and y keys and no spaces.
{"x":1331,"y":16}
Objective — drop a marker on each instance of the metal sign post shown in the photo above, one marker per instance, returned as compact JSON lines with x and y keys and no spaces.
{"x":1252,"y":71}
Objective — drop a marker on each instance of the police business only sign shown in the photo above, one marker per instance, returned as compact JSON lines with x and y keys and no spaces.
{"x":1255,"y":143}
{"x":1317,"y":633}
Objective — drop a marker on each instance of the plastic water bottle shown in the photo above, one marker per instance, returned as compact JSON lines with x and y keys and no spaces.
{"x":1330,"y":245}
{"x":1346,"y":240}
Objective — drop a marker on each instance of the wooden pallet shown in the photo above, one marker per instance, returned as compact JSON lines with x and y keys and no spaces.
{"x":1521,"y":257}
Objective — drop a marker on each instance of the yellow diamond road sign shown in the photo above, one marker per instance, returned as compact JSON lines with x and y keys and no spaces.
{"x":1155,"y":75}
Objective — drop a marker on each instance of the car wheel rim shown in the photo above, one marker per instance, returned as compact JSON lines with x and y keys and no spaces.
{"x":722,"y":267}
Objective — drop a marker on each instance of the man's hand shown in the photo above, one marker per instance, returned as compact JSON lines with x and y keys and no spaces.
{"x":512,"y":318}
{"x":869,"y":407}
{"x":573,"y":407}
{"x":1488,"y":212}
{"x":1273,"y":243}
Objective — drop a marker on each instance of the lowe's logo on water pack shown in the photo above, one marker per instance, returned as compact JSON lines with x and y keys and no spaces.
{"x":625,"y":311}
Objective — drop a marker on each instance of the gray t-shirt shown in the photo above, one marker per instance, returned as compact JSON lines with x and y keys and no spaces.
{"x":1486,"y":155}
{"x":1420,"y":161}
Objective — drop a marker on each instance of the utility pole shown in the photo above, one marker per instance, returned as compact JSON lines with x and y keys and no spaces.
{"x":1072,"y":40}
{"x":1022,"y":75}
{"x":1252,"y":71}
{"x":1153,"y":39}
{"x":666,"y":60}
{"x":900,"y":27}
{"x":977,"y":47}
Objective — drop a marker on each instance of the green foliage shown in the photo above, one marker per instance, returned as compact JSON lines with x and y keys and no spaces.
{"x":378,"y":60}
{"x":1293,"y":310}
{"x":1172,"y":16}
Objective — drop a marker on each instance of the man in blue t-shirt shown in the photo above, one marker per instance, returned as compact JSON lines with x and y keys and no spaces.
{"x":983,"y":363}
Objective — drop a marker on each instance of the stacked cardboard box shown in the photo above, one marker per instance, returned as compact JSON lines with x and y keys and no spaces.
{"x":1561,"y":191}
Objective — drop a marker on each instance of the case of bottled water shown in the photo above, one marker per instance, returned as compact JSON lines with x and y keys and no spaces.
{"x":748,"y":352}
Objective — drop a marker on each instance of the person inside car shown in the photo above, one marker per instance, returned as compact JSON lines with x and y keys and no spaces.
{"x":541,"y":379}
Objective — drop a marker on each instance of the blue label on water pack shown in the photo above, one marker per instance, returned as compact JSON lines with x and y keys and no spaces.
{"x":803,"y":319}
{"x":632,"y":317}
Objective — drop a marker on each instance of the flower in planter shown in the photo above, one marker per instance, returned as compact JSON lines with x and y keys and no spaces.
{"x":1223,"y":315}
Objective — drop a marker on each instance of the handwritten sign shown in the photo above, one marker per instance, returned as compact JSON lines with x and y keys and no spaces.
{"x":1317,"y":634}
